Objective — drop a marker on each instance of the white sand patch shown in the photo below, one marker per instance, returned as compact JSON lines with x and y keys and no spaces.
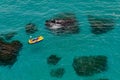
{"x":56,"y":26}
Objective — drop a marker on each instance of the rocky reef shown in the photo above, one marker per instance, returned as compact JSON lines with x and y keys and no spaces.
{"x":30,"y":28}
{"x":100,"y":25}
{"x":9,"y":52}
{"x":53,"y":59}
{"x":58,"y":73}
{"x":89,"y":65}
{"x":65,"y":23}
{"x":9,"y":35}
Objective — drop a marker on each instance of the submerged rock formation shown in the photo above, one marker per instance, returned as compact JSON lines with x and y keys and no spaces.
{"x":100,"y":25}
{"x":53,"y":59}
{"x":9,"y":52}
{"x":63,"y":23}
{"x":30,"y":28}
{"x":9,"y":35}
{"x":89,"y":65}
{"x":58,"y":73}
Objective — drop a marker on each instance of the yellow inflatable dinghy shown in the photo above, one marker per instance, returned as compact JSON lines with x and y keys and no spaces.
{"x":35,"y":40}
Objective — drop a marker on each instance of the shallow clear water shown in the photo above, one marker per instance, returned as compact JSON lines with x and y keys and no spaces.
{"x":31,"y":63}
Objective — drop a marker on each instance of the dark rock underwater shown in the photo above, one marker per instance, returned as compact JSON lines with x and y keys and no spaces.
{"x":65,"y":23}
{"x":100,"y":25}
{"x":9,"y":52}
{"x":53,"y":59}
{"x":89,"y":65}
{"x":30,"y":28}
{"x":9,"y":35}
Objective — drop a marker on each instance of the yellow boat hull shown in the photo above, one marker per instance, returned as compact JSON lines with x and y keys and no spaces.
{"x":38,"y":39}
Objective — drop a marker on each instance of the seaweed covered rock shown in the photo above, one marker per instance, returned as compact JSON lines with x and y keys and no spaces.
{"x":63,"y":23}
{"x":89,"y":65}
{"x":9,"y":52}
{"x":9,"y":35}
{"x":100,"y":25}
{"x":30,"y":28}
{"x":53,"y":59}
{"x":58,"y":73}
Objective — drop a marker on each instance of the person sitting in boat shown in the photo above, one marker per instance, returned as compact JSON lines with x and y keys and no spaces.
{"x":35,"y":39}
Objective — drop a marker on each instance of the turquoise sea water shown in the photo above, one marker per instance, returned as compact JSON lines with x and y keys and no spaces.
{"x":31,"y":63}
